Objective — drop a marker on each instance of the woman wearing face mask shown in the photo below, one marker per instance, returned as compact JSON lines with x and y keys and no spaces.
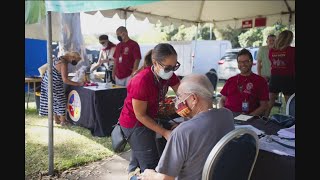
{"x":106,"y":56}
{"x":144,"y":92}
{"x":59,"y":77}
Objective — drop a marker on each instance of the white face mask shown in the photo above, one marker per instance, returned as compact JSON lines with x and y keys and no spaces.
{"x":165,"y":75}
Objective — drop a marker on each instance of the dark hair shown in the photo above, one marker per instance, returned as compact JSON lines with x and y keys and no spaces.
{"x":271,"y":35}
{"x":122,"y":29}
{"x":148,"y":59}
{"x":245,"y":51}
{"x":103,"y":37}
{"x":162,"y":50}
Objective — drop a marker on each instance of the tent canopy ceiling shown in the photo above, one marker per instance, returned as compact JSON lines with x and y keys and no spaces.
{"x":221,"y":13}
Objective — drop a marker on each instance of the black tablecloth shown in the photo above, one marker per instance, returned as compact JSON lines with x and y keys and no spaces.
{"x":99,"y":109}
{"x":271,"y":166}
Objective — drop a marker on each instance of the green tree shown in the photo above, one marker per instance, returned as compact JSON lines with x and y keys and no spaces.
{"x":252,"y":38}
{"x":230,"y":34}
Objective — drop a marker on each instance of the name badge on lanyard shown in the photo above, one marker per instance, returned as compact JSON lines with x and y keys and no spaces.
{"x":245,"y":106}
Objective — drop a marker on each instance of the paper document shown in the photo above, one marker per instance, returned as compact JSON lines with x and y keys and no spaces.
{"x":268,"y":144}
{"x":243,"y":117}
{"x":287,"y":132}
{"x":257,"y":131}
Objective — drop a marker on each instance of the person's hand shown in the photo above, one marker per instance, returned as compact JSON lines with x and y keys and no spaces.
{"x":81,"y":83}
{"x":167,"y":134}
{"x":148,"y":174}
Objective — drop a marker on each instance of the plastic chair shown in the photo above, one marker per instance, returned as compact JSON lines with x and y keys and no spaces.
{"x":291,"y":104}
{"x":233,"y":157}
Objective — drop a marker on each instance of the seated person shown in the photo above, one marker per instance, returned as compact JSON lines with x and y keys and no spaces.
{"x":245,"y":93}
{"x":192,"y":140}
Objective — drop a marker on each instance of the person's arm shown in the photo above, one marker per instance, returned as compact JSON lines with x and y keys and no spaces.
{"x":259,"y":61}
{"x":259,"y":66}
{"x":222,"y":101}
{"x":261,"y":109}
{"x":114,"y":70}
{"x":64,"y":75}
{"x":140,"y":111}
{"x":135,"y":66}
{"x":98,"y":64}
{"x":150,"y":174}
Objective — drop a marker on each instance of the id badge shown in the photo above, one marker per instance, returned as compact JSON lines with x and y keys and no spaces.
{"x":120,"y":59}
{"x":245,"y":106}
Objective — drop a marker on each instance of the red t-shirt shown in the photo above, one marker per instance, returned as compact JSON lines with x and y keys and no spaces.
{"x":144,"y":87}
{"x":251,"y":89}
{"x":283,"y":61}
{"x":128,"y":52}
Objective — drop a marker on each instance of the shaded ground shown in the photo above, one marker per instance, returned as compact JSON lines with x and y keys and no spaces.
{"x":111,"y":168}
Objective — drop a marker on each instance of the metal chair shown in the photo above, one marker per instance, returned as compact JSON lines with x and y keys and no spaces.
{"x":233,"y":157}
{"x":291,"y":104}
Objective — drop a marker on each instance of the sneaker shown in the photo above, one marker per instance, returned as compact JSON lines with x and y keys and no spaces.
{"x":133,"y":175}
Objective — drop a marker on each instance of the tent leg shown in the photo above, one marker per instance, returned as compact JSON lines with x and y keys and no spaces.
{"x":50,"y":102}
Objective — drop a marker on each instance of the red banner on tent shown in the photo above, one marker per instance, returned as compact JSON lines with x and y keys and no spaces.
{"x":259,"y":22}
{"x":247,"y":24}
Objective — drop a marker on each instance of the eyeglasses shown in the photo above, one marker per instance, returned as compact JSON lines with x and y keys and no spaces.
{"x":244,"y":62}
{"x":177,"y":99}
{"x":169,"y":68}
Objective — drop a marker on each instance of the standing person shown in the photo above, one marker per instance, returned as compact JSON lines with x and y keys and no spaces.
{"x":282,"y":58}
{"x":264,"y":66}
{"x":144,"y":93}
{"x":106,"y":56}
{"x":59,"y":77}
{"x":191,"y":142}
{"x":247,"y":92}
{"x":127,"y":58}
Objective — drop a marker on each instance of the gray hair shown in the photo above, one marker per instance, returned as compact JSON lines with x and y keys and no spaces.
{"x":198,"y":84}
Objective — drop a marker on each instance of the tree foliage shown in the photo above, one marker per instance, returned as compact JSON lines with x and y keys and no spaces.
{"x":230,"y":34}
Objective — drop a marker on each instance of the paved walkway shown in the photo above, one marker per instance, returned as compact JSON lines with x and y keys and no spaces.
{"x":112,"y":168}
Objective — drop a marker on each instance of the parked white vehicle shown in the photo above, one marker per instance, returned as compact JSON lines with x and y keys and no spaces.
{"x":194,"y":56}
{"x":228,"y":65}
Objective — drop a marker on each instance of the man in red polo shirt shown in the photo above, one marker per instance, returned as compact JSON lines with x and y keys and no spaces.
{"x":245,"y":93}
{"x":127,"y":58}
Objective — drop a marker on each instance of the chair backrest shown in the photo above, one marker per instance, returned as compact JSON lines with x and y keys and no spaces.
{"x":213,"y":77}
{"x":233,"y":157}
{"x":291,"y":104}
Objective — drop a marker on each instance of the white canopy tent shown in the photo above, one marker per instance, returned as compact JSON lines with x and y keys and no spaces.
{"x":220,"y":13}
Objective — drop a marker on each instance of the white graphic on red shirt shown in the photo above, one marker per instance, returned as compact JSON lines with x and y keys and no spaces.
{"x":249,"y":86}
{"x":126,"y":50}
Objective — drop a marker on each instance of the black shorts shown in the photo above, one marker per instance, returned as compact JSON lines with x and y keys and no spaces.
{"x":284,"y":84}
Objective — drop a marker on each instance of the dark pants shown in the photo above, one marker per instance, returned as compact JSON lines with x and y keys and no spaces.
{"x":144,"y":153}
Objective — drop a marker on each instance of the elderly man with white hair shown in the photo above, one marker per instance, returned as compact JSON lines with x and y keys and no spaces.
{"x":191,"y":142}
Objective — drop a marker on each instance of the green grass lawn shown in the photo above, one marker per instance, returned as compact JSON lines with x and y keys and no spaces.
{"x":73,"y":146}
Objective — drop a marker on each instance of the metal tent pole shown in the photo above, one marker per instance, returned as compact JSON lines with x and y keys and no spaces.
{"x":50,"y":100}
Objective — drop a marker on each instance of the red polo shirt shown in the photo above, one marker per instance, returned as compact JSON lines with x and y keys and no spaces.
{"x":252,"y":89}
{"x":283,"y":61}
{"x":144,"y":87}
{"x":129,"y":51}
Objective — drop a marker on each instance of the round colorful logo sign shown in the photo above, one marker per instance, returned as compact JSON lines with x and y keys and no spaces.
{"x":74,"y":105}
